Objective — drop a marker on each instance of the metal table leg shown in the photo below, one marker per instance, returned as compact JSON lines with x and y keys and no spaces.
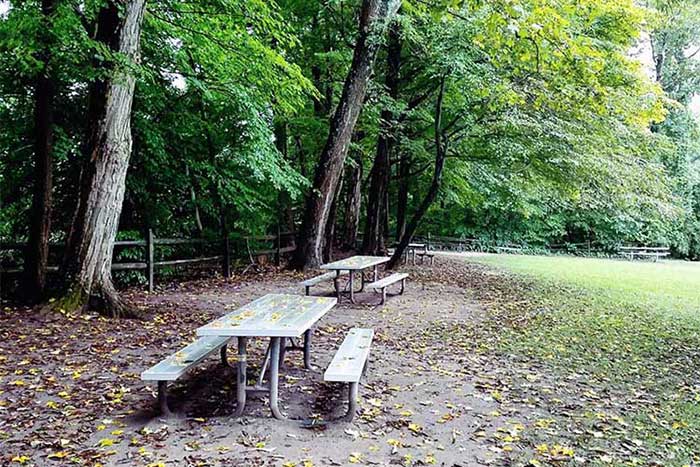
{"x":336,"y":283}
{"x":274,"y":377}
{"x":307,"y":350}
{"x":283,"y":350}
{"x":242,"y":380}
{"x":352,"y":290}
{"x":376,"y":272}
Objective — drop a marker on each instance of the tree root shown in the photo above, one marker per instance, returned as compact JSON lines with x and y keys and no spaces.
{"x":104,"y":299}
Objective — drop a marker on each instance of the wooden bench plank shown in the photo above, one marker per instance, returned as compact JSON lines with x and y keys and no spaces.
{"x":392,"y":279}
{"x":349,"y":361}
{"x":172,"y":367}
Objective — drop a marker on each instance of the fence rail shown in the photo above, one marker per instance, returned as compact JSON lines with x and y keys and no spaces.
{"x":151,"y":243}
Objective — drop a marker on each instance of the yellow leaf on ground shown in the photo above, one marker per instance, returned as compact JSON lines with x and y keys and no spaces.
{"x":414,"y":427}
{"x":105,"y":442}
{"x":21,"y":459}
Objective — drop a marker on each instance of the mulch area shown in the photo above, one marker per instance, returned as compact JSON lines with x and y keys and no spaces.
{"x":436,"y":391}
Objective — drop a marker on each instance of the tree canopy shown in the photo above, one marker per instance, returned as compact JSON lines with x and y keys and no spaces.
{"x":549,"y":122}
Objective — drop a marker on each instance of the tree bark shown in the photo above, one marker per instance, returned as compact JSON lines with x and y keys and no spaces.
{"x":402,"y":198}
{"x":195,"y":204}
{"x":352,"y":206}
{"x":36,"y":256}
{"x":373,"y":18}
{"x":441,"y":144}
{"x":376,"y":227}
{"x":329,"y":241}
{"x":88,"y":260}
{"x":284,"y":201}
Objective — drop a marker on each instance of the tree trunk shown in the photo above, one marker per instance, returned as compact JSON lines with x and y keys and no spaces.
{"x":352,"y":206}
{"x":376,"y":230}
{"x":373,"y":18}
{"x":402,"y":199}
{"x":91,"y":240}
{"x":440,"y":153}
{"x":284,"y":201}
{"x":36,"y":256}
{"x":329,"y":241}
{"x":195,"y":204}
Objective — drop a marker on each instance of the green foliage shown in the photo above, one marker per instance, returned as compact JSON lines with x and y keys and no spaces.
{"x":546,"y":114}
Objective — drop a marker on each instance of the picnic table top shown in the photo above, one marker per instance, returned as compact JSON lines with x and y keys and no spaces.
{"x":416,"y":245}
{"x":356,"y":263}
{"x":273,"y":315}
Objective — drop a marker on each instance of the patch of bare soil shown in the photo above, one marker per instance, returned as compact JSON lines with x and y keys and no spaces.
{"x":433,"y":392}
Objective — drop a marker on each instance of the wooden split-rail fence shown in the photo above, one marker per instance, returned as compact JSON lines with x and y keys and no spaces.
{"x":250,"y":248}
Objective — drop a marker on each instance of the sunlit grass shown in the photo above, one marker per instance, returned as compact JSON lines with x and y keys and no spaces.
{"x":629,"y":327}
{"x":672,"y":286}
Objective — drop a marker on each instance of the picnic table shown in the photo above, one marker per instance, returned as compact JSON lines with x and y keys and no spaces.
{"x":277,"y":317}
{"x":411,"y":250}
{"x":354,"y":264}
{"x":654,"y":252}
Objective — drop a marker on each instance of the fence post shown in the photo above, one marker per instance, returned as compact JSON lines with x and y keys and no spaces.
{"x":427,"y":245}
{"x":227,"y":256}
{"x":149,"y":258}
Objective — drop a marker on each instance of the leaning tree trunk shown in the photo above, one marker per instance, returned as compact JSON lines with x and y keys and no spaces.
{"x":441,"y":144}
{"x":373,"y":18}
{"x":91,"y":240}
{"x":376,"y":229}
{"x":352,"y":206}
{"x":37,"y":253}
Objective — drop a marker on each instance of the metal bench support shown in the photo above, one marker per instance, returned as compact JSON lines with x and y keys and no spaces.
{"x":352,"y":401}
{"x":163,"y":399}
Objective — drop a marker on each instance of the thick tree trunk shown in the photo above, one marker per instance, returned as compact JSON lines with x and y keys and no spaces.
{"x":352,"y":206}
{"x":373,"y":19}
{"x":376,"y":227}
{"x":37,"y":253}
{"x":91,"y":241}
{"x":440,"y":154}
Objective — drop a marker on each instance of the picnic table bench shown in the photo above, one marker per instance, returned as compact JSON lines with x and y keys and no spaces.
{"x":654,"y":252}
{"x":382,"y":284}
{"x":349,"y":363}
{"x":308,"y":283}
{"x":177,"y":364}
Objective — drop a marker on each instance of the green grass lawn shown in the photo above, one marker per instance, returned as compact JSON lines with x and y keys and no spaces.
{"x":672,"y":286}
{"x":627,"y":331}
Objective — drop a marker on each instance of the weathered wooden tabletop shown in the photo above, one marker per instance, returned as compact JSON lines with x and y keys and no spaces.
{"x":273,"y":315}
{"x":356,"y":263}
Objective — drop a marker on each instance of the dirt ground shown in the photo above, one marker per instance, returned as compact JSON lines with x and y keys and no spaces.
{"x":432,"y":395}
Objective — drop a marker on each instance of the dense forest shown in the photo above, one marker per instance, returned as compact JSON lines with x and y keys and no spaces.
{"x":351,"y":122}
